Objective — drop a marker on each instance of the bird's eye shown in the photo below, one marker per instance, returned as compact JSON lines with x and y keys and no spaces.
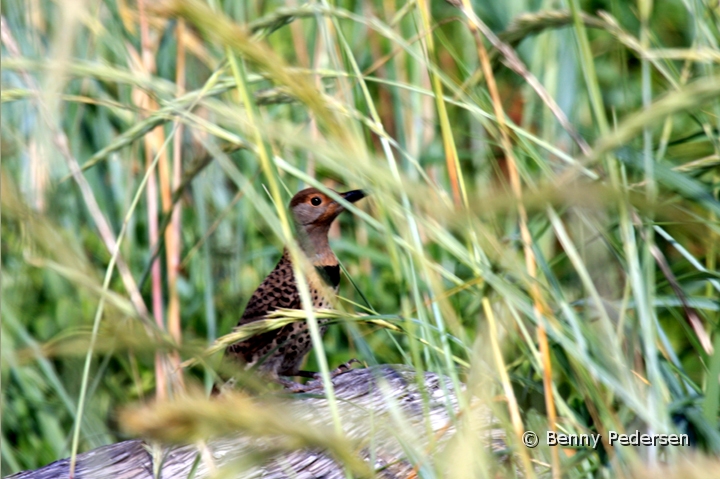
{"x":316,"y":201}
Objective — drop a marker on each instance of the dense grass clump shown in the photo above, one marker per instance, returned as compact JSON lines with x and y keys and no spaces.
{"x":543,"y":225}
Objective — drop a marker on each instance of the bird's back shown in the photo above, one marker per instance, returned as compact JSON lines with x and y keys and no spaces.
{"x":280,"y":351}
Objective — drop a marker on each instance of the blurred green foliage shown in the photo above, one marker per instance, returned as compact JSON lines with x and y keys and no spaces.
{"x":604,"y":230}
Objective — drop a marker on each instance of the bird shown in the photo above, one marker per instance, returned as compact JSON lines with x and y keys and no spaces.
{"x":280,"y":352}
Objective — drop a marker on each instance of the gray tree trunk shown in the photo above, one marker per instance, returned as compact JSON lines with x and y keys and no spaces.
{"x":383,"y":403}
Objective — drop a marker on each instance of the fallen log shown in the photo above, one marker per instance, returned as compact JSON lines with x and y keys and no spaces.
{"x":385,"y":409}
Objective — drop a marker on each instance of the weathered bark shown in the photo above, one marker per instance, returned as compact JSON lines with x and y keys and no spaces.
{"x":369,"y":401}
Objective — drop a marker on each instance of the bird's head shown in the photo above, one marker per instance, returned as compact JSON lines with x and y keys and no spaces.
{"x":313,"y":209}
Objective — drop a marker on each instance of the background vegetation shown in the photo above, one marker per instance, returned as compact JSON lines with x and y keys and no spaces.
{"x":544,"y":179}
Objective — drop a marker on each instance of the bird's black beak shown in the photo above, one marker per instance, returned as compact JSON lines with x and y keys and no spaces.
{"x":353,"y":196}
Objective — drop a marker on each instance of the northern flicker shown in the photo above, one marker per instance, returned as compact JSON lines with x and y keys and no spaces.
{"x":279,"y":352}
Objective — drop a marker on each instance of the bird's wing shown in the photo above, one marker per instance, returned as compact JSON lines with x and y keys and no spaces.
{"x":277,"y":291}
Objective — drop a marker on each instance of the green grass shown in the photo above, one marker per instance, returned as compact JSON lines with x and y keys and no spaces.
{"x":542,"y":227}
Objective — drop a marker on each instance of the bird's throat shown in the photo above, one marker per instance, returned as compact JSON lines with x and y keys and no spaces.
{"x":314,"y":243}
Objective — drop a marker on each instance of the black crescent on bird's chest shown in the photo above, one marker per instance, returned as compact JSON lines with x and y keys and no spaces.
{"x":330,"y":274}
